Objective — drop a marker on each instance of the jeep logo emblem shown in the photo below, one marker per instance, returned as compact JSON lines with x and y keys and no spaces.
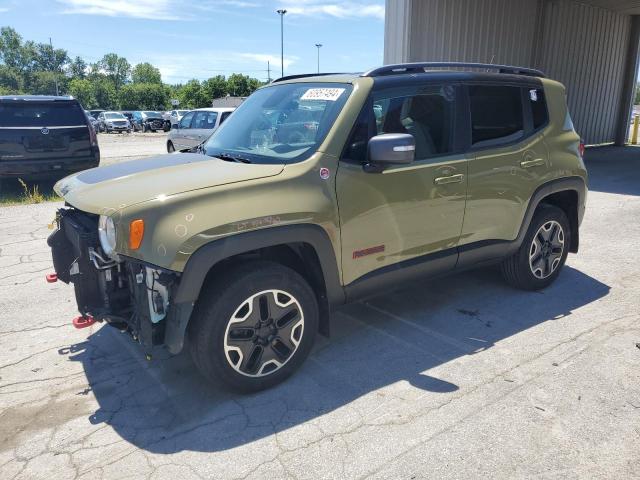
{"x":45,"y":131}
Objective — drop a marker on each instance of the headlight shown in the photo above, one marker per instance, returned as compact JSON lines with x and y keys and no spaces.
{"x":107,"y":235}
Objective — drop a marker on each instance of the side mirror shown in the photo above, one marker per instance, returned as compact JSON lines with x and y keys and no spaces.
{"x":175,"y":126}
{"x":389,"y":149}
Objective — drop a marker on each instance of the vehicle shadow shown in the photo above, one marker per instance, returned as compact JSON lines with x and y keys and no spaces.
{"x":614,"y":169}
{"x":164,"y":406}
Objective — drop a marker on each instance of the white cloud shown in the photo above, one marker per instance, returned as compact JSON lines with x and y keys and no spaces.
{"x":337,"y":10}
{"x":263,"y":58}
{"x":149,"y":9}
{"x":179,"y":68}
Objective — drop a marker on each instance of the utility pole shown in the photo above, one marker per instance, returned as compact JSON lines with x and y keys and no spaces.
{"x":268,"y":72}
{"x":318,"y":45}
{"x":281,"y":13}
{"x":54,"y":73}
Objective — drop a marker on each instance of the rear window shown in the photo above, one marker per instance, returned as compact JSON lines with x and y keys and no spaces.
{"x":49,"y":114}
{"x":538,"y":107}
{"x":496,"y":115}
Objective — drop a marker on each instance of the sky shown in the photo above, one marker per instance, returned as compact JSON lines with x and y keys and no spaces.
{"x":189,"y":39}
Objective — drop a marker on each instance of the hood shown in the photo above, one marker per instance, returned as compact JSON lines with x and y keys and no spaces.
{"x":124,"y":184}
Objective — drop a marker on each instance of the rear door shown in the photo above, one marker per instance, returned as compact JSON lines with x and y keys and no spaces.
{"x":508,"y":159}
{"x":43,"y":130}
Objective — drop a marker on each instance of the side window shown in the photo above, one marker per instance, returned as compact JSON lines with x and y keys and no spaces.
{"x":496,"y":115}
{"x":224,"y":116}
{"x":427,"y":114}
{"x":185,"y":122}
{"x":538,"y":107}
{"x":210,"y":120}
{"x":356,"y":147}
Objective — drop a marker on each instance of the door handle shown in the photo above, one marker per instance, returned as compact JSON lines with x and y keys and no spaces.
{"x":451,"y":179}
{"x":536,"y":162}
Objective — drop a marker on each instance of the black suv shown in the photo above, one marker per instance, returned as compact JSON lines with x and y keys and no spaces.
{"x":45,"y":137}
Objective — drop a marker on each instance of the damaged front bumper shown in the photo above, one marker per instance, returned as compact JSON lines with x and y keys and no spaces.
{"x":127,"y":294}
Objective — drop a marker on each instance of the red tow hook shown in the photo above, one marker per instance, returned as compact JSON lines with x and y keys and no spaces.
{"x":51,"y":278}
{"x":83,"y":322}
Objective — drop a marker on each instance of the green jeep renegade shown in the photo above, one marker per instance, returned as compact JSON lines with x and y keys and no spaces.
{"x":320,"y":190}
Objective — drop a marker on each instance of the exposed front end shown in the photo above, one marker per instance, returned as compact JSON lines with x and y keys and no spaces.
{"x":123,"y":292}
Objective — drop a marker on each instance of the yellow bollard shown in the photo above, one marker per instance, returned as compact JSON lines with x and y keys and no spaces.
{"x":634,"y":135}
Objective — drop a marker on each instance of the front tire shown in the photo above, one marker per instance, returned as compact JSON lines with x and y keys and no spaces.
{"x":170,"y":147}
{"x":254,"y":328}
{"x":543,"y":252}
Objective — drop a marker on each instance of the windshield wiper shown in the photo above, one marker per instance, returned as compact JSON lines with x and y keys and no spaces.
{"x":232,"y":158}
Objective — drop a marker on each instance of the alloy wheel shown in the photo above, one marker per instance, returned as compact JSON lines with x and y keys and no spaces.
{"x":264,"y":333}
{"x":547,"y":247}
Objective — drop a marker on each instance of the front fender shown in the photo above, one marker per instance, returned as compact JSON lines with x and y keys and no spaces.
{"x":207,"y":256}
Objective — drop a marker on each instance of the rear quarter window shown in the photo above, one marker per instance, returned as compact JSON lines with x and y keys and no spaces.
{"x":45,"y":114}
{"x":538,"y":107}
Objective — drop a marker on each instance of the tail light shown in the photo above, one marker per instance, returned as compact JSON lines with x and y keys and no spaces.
{"x":581,"y":149}
{"x":93,"y":138}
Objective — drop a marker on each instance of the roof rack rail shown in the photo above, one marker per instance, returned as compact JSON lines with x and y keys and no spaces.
{"x":421,"y":67}
{"x":303,"y":75}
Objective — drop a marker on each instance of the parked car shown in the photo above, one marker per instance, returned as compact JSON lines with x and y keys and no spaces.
{"x":148,"y":121}
{"x":195,"y":127}
{"x":113,"y":122}
{"x":95,"y":113}
{"x":128,"y":114}
{"x":45,"y":137}
{"x":174,"y":116}
{"x":92,"y":120}
{"x":246,"y":246}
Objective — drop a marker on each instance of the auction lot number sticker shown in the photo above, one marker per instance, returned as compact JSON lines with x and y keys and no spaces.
{"x":330,"y":94}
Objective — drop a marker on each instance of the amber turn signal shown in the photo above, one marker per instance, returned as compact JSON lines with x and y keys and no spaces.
{"x":136,"y":232}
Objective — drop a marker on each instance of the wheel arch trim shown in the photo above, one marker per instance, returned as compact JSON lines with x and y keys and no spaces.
{"x":210,"y":254}
{"x":206,"y":257}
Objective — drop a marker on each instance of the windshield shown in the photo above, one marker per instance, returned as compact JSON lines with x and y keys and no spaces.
{"x":280,"y":124}
{"x":114,"y":116}
{"x":152,"y":114}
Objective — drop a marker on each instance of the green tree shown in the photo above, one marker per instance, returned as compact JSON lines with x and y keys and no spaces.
{"x":104,"y":92}
{"x":192,"y":95}
{"x":44,"y":83}
{"x":78,"y":68}
{"x":117,"y":69}
{"x":215,"y":87}
{"x":83,"y":90}
{"x":10,"y":80}
{"x":46,"y":58}
{"x":145,"y":73}
{"x":143,"y":96}
{"x":242,"y":85}
{"x":11,"y":51}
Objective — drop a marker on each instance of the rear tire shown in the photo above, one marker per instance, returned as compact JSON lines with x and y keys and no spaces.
{"x":543,"y":252}
{"x":253,"y":328}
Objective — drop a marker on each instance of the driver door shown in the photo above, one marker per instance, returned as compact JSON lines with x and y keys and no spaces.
{"x":408,"y":213}
{"x":181,"y":138}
